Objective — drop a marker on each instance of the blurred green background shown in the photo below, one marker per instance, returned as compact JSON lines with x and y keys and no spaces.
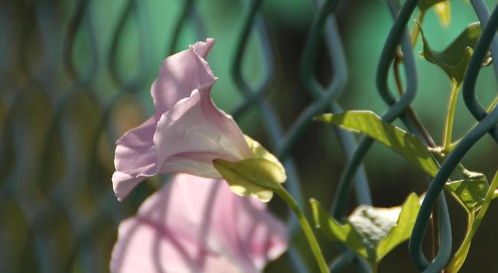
{"x":75,"y":75}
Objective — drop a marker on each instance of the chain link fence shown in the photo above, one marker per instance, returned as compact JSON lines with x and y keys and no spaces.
{"x":74,"y":75}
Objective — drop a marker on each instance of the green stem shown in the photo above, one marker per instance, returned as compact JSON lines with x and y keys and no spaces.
{"x":305,"y":225}
{"x":409,"y":110}
{"x":460,"y":255}
{"x":416,"y":29}
{"x":493,"y":104}
{"x":448,"y":126}
{"x":490,"y":108}
{"x":375,"y":267}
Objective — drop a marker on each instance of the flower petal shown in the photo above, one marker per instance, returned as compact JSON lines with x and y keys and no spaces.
{"x":198,"y":225}
{"x":143,"y":247}
{"x":247,"y":233}
{"x":193,"y":133}
{"x":192,"y":130}
{"x":135,"y":158}
{"x":180,"y":74}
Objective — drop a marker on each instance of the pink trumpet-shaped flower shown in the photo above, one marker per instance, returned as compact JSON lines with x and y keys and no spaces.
{"x":197,"y":225}
{"x":187,"y":131}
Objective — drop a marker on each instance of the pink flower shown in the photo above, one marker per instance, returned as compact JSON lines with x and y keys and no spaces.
{"x":187,"y":131}
{"x":198,"y":225}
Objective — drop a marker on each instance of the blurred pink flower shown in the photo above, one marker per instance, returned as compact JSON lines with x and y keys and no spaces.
{"x":187,"y":131}
{"x":198,"y":225}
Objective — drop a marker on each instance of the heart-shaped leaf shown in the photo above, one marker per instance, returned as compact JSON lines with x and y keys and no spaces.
{"x":406,"y":144}
{"x":455,"y":58}
{"x":370,"y":231}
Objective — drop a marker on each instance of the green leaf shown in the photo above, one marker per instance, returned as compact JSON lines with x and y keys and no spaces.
{"x":257,"y":176}
{"x":475,"y":218}
{"x":455,"y":58}
{"x":345,"y":233}
{"x":374,"y":224}
{"x":370,"y":231}
{"x":443,"y":12}
{"x":471,"y":192}
{"x":442,"y":8}
{"x":424,"y":5}
{"x":403,"y":229}
{"x":493,"y":188}
{"x":406,"y":144}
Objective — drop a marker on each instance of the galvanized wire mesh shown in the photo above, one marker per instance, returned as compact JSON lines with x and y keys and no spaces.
{"x":59,"y":120}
